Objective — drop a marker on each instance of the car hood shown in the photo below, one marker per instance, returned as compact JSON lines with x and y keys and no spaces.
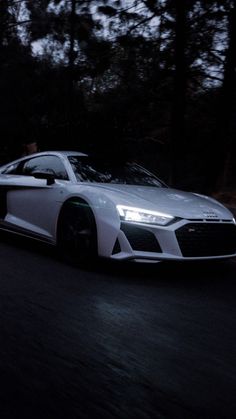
{"x":171,"y":201}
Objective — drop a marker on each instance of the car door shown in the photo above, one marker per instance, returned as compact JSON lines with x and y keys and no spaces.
{"x":30,"y":205}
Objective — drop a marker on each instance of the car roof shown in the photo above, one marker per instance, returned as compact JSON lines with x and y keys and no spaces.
{"x":58,"y":152}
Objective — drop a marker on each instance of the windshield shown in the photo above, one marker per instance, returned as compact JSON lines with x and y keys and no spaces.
{"x":89,"y":170}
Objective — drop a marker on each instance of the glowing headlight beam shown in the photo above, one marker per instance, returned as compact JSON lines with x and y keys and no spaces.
{"x":143,"y":216}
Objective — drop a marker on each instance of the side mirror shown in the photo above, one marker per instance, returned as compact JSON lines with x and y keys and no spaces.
{"x":49,"y":177}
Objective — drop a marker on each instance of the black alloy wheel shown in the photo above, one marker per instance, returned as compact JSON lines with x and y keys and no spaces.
{"x":77,"y":237}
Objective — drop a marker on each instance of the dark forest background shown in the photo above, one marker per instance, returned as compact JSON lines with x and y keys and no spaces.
{"x":152,"y":79}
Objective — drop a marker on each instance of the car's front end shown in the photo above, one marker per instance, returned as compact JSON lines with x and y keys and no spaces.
{"x":181,"y":240}
{"x":139,"y":218}
{"x":197,"y":229}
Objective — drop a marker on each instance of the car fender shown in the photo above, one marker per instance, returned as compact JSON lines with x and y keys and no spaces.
{"x":105,"y":213}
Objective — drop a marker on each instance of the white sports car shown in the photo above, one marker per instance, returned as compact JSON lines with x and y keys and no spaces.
{"x":118,"y":211}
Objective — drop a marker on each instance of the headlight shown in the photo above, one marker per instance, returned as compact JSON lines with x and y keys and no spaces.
{"x":143,"y":216}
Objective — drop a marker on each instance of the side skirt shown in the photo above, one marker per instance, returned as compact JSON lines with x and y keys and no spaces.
{"x":9,"y":228}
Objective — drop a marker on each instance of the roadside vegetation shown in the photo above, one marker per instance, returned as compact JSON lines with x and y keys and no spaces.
{"x":150,"y":79}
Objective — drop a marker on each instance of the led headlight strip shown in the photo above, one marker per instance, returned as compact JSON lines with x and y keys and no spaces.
{"x":143,"y":216}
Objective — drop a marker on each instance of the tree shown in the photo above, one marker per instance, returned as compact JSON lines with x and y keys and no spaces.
{"x":227,"y":107}
{"x":179,"y":98}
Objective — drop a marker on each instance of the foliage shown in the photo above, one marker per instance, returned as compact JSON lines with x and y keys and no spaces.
{"x":149,"y":78}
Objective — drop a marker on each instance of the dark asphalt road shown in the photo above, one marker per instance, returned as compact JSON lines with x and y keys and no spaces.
{"x":134,"y":341}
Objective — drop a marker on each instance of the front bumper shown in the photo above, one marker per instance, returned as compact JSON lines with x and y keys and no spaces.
{"x":182,"y":240}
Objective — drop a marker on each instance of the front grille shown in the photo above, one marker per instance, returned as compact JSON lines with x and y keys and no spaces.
{"x":207,"y":239}
{"x":141,"y":239}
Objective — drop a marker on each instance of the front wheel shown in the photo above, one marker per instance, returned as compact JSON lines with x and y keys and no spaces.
{"x":77,"y":236}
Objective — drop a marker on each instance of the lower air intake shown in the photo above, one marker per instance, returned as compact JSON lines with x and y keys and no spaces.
{"x":141,"y":239}
{"x":116,"y":248}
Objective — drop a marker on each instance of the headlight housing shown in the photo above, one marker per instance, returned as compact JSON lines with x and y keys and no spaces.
{"x":140,"y":215}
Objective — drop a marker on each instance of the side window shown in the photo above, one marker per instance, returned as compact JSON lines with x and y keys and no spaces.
{"x":11,"y":170}
{"x":50,"y":164}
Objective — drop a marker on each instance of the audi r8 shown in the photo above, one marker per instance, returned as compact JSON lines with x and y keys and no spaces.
{"x":93,"y":207}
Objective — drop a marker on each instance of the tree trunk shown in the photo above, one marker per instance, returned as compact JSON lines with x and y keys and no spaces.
{"x":72,"y":36}
{"x":222,"y":145}
{"x":71,"y":67}
{"x":179,"y":99}
{"x":227,"y":106}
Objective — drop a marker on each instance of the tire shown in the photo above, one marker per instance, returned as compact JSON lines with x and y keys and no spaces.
{"x":77,"y":234}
